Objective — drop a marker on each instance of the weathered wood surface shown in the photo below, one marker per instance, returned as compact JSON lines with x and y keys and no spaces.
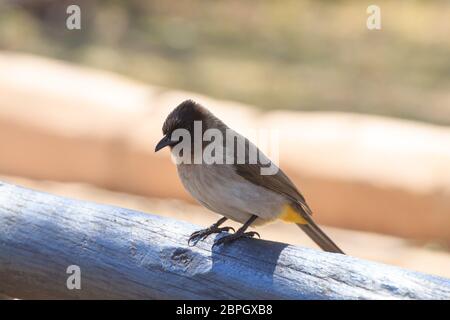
{"x":128,"y":254}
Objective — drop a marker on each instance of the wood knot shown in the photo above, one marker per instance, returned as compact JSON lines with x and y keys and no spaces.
{"x":182,"y":256}
{"x":183,"y":260}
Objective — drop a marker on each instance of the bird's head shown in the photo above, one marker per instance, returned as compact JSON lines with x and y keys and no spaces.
{"x":182,"y":117}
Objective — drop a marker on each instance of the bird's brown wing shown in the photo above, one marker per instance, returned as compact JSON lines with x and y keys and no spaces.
{"x":279,"y":183}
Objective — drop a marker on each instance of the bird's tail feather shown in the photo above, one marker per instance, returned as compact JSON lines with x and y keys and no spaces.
{"x":319,"y":237}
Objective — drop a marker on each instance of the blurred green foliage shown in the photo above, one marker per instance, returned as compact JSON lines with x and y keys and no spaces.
{"x":304,"y":55}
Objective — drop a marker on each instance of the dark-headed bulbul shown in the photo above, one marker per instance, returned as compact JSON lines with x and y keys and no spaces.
{"x":235,"y":189}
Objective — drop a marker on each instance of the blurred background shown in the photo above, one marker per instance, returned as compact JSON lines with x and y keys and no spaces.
{"x":364,"y":114}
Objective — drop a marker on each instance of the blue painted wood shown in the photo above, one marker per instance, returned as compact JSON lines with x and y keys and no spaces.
{"x":128,"y":254}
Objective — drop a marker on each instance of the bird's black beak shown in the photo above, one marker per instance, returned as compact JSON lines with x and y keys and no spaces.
{"x":165,"y":141}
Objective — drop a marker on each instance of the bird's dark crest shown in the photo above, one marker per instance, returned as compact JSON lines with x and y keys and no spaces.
{"x":184,"y":115}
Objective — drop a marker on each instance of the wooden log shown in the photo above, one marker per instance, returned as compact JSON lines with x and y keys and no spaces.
{"x":127,"y":254}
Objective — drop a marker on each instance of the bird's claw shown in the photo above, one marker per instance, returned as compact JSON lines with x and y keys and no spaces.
{"x":235,"y":236}
{"x":205,"y":233}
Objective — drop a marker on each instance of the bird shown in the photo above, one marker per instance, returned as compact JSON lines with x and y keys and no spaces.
{"x":236,"y":190}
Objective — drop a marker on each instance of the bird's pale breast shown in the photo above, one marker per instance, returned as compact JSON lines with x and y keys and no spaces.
{"x":221,"y":189}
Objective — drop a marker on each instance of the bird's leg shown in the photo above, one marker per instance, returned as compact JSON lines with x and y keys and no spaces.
{"x":204,"y":233}
{"x":240,"y":233}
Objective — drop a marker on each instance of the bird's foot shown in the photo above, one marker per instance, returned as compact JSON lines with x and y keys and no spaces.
{"x":238,"y":235}
{"x":204,"y":233}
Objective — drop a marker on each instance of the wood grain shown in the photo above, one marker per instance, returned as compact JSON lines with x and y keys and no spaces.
{"x":134,"y":255}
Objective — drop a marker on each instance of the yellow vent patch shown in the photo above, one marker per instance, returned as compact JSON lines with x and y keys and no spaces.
{"x":289,"y":214}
